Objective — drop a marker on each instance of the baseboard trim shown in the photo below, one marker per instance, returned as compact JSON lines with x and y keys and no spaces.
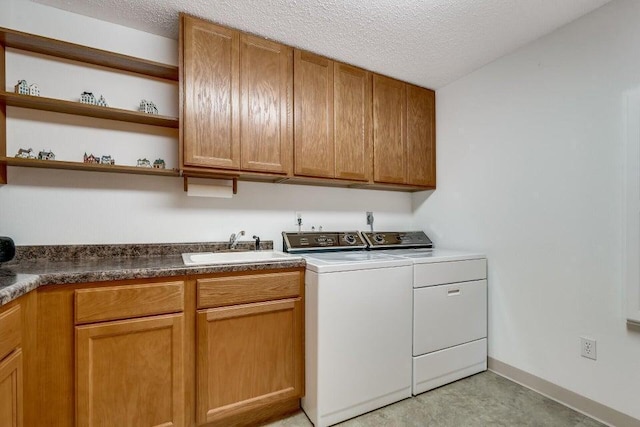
{"x":561,"y":395}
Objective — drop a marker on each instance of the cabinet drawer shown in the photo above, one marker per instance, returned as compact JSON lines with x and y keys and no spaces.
{"x":439,"y":273}
{"x":448,"y":315}
{"x":9,"y":331}
{"x":123,"y":302}
{"x":221,"y":291}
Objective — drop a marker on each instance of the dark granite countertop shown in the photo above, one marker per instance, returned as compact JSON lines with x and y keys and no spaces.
{"x":33,"y":268}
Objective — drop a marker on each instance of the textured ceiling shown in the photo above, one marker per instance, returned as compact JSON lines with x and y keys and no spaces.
{"x":427,"y":42}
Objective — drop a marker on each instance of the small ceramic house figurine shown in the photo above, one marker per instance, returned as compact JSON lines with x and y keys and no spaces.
{"x":148,"y":107}
{"x":46,"y":155}
{"x":159,"y":164}
{"x":22,"y":88}
{"x":102,"y":102}
{"x":87,"y":98}
{"x":144,"y":163}
{"x":90,"y":158}
{"x":107,"y":160}
{"x":25,"y":153}
{"x":34,"y":90}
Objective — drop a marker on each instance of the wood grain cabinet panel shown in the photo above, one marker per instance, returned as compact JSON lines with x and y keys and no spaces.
{"x":352,"y":122}
{"x":11,"y":409}
{"x":128,"y":301}
{"x":211,"y":125}
{"x":314,"y":152}
{"x":248,"y":357}
{"x":244,"y":289}
{"x":421,"y":136}
{"x":266,"y":97}
{"x":389,"y":130}
{"x":10,"y":330}
{"x":130,"y":373}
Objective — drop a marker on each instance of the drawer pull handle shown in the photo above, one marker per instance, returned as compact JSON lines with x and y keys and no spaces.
{"x":453,"y":292}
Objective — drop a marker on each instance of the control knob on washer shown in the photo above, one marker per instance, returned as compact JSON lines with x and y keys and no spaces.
{"x":350,"y":239}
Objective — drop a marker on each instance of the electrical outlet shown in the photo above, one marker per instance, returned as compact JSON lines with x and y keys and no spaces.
{"x":588,"y":348}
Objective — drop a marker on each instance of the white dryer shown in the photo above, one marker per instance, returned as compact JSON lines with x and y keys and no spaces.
{"x":449,"y":309}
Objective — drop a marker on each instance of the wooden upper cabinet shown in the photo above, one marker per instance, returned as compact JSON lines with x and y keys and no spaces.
{"x":352,"y":122}
{"x":237,"y":102}
{"x":211,"y":125}
{"x":256,"y":106}
{"x":266,"y":98}
{"x":389,"y":130}
{"x":313,"y":102}
{"x":421,"y":136}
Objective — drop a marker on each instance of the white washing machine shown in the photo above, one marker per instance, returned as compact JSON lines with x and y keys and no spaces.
{"x":358,"y":314}
{"x":449,"y":310}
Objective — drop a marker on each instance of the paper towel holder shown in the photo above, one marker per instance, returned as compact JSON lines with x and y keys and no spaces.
{"x":234,"y":180}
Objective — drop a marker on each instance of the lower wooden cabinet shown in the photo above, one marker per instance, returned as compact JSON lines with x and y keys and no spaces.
{"x":11,"y":408}
{"x":130,"y":372}
{"x":12,"y":321}
{"x":221,"y":349}
{"x":248,"y":356}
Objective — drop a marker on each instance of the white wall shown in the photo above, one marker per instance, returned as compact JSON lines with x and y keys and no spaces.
{"x":63,"y":207}
{"x":529,"y":171}
{"x":530,"y":156}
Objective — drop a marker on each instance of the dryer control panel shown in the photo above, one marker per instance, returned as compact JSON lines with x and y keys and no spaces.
{"x":397,"y":239}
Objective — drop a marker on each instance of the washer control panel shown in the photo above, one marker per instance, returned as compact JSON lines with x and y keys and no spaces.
{"x":322,"y":241}
{"x":397,"y":239}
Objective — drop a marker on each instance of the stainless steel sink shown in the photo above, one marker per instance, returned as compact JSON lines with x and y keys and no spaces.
{"x":211,"y":258}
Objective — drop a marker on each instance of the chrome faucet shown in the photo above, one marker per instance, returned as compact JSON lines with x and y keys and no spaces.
{"x":233,"y":240}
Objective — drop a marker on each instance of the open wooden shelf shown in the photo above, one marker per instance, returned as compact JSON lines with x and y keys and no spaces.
{"x":87,"y":110}
{"x":57,"y":164}
{"x":76,"y":52}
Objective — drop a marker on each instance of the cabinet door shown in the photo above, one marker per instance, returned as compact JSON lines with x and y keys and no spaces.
{"x":266,"y":95}
{"x":211,"y":125}
{"x":249,"y":356}
{"x":421,"y":136}
{"x":389,"y":130}
{"x":352,"y":108}
{"x":11,"y":390}
{"x":130,"y":372}
{"x":313,"y":102}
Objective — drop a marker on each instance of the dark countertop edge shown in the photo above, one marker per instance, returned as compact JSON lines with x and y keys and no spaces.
{"x":30,"y":282}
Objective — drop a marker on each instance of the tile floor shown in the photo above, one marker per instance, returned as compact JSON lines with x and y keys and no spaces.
{"x":485,"y":399}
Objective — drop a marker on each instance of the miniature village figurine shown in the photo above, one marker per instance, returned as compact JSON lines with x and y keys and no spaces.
{"x":34,"y":90}
{"x":159,"y":164}
{"x":22,"y":88}
{"x":90,"y":158}
{"x":25,"y":153}
{"x":88,"y":98}
{"x":102,"y":102}
{"x":107,"y":160}
{"x":46,"y":155}
{"x":144,"y":163}
{"x":148,"y":107}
